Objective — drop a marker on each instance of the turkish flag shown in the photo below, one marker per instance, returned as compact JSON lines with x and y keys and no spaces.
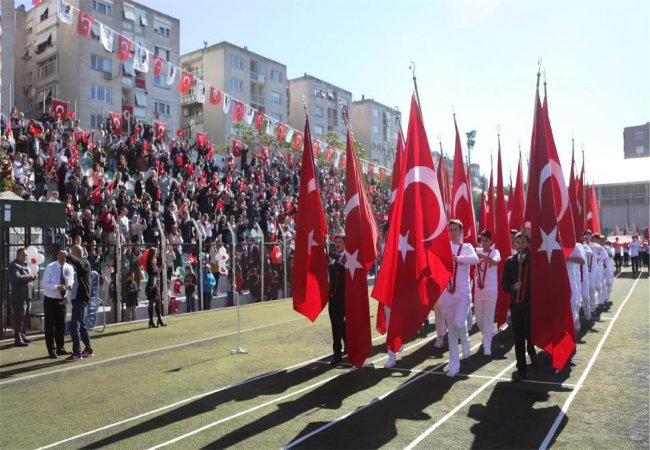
{"x":482,"y":216}
{"x":573,"y":200}
{"x":158,"y":63}
{"x":501,"y":236}
{"x":552,"y":326}
{"x":280,"y":131}
{"x":238,"y":111}
{"x":461,"y":196}
{"x":127,"y":116}
{"x":371,"y":170}
{"x":489,"y":202}
{"x":417,"y":262}
{"x":516,"y":201}
{"x":116,"y":123}
{"x":160,"y":130}
{"x":593,"y":223}
{"x":185,"y":82}
{"x":123,"y":48}
{"x":201,"y":139}
{"x":560,"y":190}
{"x":329,"y":152}
{"x":382,"y":173}
{"x":75,"y":154}
{"x":215,"y":96}
{"x":59,"y":108}
{"x":236,"y":148}
{"x":316,"y":148}
{"x":361,"y":235}
{"x":84,"y":24}
{"x":298,"y":138}
{"x":343,"y":161}
{"x":309,"y":281}
{"x":581,"y":198}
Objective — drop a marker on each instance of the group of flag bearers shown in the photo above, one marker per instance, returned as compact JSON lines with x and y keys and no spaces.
{"x":434,"y":259}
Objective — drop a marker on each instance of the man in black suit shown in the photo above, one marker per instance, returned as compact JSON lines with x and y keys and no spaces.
{"x":336,"y":306}
{"x":516,"y":280}
{"x":81,"y":296}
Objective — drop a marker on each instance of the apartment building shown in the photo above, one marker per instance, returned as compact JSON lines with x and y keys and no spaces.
{"x":8,"y":54}
{"x":254,"y":79}
{"x":54,"y":61}
{"x":376,"y":128}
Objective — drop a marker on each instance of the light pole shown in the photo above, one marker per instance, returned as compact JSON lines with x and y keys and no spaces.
{"x":470,"y":145}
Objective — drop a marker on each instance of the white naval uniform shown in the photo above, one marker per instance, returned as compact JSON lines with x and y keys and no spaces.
{"x":603,"y":260}
{"x":485,"y":299}
{"x":584,"y":273}
{"x":595,"y":275}
{"x":455,"y":305}
{"x":574,"y":279}
{"x":609,"y":275}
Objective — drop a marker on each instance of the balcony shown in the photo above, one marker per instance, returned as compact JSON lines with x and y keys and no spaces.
{"x":188,"y":99}
{"x":255,"y":98}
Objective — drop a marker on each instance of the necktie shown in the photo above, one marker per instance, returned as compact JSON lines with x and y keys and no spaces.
{"x":62,"y":282}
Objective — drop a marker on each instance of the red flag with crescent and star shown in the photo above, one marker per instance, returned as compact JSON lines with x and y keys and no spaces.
{"x":85,"y":24}
{"x":417,"y":262}
{"x":215,"y":96}
{"x":123,"y":48}
{"x":309,"y":281}
{"x":501,"y":236}
{"x":461,"y":196}
{"x":59,"y":108}
{"x":160,"y":130}
{"x":552,"y":327}
{"x":185,"y":82}
{"x":238,"y":111}
{"x":158,"y":63}
{"x":593,"y":222}
{"x":116,"y":123}
{"x":516,"y":201}
{"x":361,"y":235}
{"x":560,"y":190}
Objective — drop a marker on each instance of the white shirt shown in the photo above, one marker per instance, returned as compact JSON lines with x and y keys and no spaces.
{"x":634,"y":248}
{"x":490,"y":280}
{"x":466,"y":258}
{"x":52,"y":278}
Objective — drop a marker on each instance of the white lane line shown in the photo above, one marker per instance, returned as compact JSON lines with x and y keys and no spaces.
{"x":461,"y":405}
{"x":421,"y":374}
{"x":144,"y":352}
{"x":573,"y":394}
{"x":275,"y":400}
{"x":196,"y":397}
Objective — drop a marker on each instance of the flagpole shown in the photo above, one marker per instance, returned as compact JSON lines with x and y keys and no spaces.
{"x":415,"y":84}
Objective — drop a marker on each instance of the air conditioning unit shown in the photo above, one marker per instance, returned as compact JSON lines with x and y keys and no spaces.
{"x":108,"y":76}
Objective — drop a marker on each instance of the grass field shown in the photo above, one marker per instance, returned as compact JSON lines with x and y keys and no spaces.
{"x":180,"y":387}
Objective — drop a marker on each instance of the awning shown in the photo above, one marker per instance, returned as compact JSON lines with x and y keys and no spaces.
{"x":143,"y":20}
{"x":45,"y":39}
{"x":140,"y":99}
{"x":44,"y":95}
{"x":129,"y":12}
{"x":127,"y":68}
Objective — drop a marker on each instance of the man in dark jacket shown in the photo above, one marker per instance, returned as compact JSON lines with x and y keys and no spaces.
{"x":81,"y":296}
{"x":336,"y":305}
{"x":516,"y":280}
{"x":21,"y":280}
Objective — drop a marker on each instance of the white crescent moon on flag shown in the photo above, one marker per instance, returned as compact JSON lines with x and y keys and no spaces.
{"x":426,"y":176}
{"x":393,"y":195}
{"x":460,"y":193}
{"x":352,"y":203}
{"x":59,"y":110}
{"x":553,"y":169}
{"x":311,"y":185}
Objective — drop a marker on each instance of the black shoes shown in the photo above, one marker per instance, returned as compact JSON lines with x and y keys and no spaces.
{"x":161,"y":323}
{"x":336,"y":359}
{"x":151,"y":324}
{"x":518,"y":376}
{"x":62,"y":351}
{"x":21,"y":344}
{"x":53,"y":355}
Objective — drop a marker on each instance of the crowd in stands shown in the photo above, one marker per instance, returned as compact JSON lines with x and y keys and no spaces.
{"x":118,"y":185}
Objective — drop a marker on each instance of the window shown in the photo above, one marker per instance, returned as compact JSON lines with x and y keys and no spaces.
{"x":96,"y":120}
{"x":103,"y":94}
{"x":276,"y":98}
{"x":140,"y":99}
{"x":44,"y":14}
{"x":276,"y":116}
{"x":236,"y":84}
{"x":375,"y":129}
{"x":318,"y":111}
{"x":43,"y":43}
{"x":638,"y":136}
{"x":375,"y":113}
{"x":129,"y":12}
{"x":102,"y":7}
{"x":127,"y":68}
{"x":143,"y":19}
{"x":162,"y":27}
{"x":276,"y":75}
{"x":318,"y":130}
{"x":47,"y":67}
{"x":100,"y":63}
{"x":162,"y":108}
{"x":640,"y":150}
{"x":236,"y":62}
{"x":167,"y":56}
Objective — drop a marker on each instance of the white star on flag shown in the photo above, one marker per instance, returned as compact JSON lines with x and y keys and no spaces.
{"x":352,"y":263}
{"x":403,"y":246}
{"x":311,"y":242}
{"x":549,"y":243}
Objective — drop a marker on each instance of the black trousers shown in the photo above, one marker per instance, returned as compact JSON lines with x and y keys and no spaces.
{"x":618,"y":260}
{"x":521,"y":318}
{"x":22,"y":313}
{"x":336,"y":308}
{"x":635,"y":264}
{"x":55,"y":312}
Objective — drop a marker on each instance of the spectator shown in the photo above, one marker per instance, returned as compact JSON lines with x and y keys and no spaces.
{"x":20,"y":279}
{"x":190,"y":282}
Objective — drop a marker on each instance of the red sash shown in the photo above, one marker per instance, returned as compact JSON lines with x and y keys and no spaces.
{"x":525,"y":276}
{"x":451,"y":287}
{"x":482,"y":268}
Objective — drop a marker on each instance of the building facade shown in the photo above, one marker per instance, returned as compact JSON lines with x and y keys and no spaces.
{"x":376,"y":127}
{"x":8,"y":54}
{"x":325,"y":103}
{"x":624,"y":204}
{"x":244,"y":75}
{"x":54,"y":61}
{"x":636,"y":141}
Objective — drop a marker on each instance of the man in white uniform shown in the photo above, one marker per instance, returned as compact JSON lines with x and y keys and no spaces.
{"x":603,"y":258}
{"x":584,"y":277}
{"x":455,"y":298}
{"x":573,"y":262}
{"x":486,"y":289}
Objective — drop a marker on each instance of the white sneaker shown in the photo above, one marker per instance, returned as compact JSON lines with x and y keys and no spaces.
{"x":391,"y":361}
{"x":467,"y":351}
{"x":452,"y":372}
{"x":439,"y":343}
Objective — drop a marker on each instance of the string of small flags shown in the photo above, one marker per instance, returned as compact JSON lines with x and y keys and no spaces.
{"x":240,"y":111}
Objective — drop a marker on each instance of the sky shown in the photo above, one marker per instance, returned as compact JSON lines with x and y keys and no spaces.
{"x":478,"y":58}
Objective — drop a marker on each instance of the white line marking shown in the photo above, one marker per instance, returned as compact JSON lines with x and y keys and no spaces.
{"x":144,"y":352}
{"x":573,"y":394}
{"x":422,"y":374}
{"x":275,"y":400}
{"x":446,"y":417}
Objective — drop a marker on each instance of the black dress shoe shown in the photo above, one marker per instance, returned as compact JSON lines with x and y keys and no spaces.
{"x":29,"y":341}
{"x":518,"y":376}
{"x":336,"y":359}
{"x":62,"y":351}
{"x":53,"y":355}
{"x":21,"y":344}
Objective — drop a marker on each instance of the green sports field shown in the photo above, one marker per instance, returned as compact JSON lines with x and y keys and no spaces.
{"x":180,"y":387}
